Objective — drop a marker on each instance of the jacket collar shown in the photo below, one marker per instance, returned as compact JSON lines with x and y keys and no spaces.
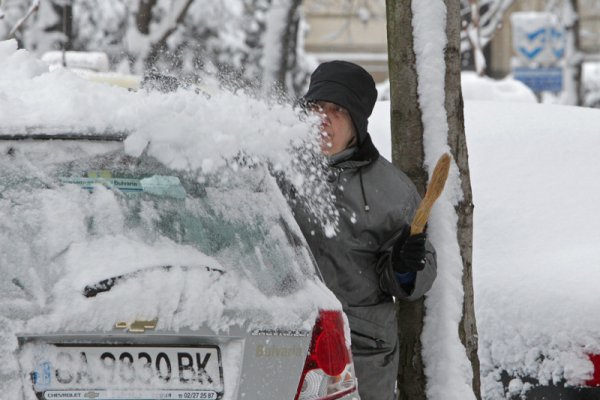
{"x":365,"y":154}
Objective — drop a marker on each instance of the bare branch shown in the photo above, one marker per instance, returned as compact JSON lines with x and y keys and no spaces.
{"x":144,"y":15}
{"x":35,"y":5}
{"x":178,"y":21}
{"x":489,"y":20}
{"x":474,"y":35}
{"x":156,"y":47}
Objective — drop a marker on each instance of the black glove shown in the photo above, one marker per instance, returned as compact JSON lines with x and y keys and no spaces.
{"x":408,"y":253}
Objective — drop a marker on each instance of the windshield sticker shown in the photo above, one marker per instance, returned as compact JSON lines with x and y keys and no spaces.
{"x":99,"y":174}
{"x":124,"y":185}
{"x":162,"y":186}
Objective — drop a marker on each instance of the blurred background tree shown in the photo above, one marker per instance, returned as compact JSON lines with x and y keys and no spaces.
{"x":254,"y":43}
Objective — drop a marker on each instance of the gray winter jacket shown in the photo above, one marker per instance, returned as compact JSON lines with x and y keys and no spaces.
{"x":375,"y":201}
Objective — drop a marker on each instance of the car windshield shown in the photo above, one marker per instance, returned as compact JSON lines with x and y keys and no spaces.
{"x":88,"y":205}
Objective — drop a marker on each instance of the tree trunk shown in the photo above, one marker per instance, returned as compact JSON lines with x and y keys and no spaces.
{"x":144,"y":16}
{"x":578,"y":66}
{"x":408,"y":155}
{"x":64,"y":22}
{"x":161,"y":43}
{"x":280,"y":45}
{"x":464,"y":209}
{"x":67,"y":22}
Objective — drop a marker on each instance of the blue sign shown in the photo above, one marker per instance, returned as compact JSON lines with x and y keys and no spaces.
{"x":539,"y":39}
{"x":532,"y":43}
{"x":548,"y":79}
{"x":558,"y":42}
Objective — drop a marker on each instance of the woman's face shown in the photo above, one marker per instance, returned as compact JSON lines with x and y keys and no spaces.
{"x":337,"y":130}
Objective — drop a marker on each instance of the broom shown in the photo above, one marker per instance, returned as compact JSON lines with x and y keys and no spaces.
{"x":434,"y":190}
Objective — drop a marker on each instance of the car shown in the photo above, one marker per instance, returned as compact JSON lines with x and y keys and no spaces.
{"x":90,"y":65}
{"x":132,"y":280}
{"x":132,"y":275}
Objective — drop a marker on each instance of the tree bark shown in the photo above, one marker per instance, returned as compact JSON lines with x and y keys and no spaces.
{"x":458,"y":146}
{"x":408,"y":155}
{"x":161,"y":44}
{"x":407,"y":125}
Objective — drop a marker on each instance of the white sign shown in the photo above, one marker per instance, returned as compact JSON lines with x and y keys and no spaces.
{"x":538,"y":38}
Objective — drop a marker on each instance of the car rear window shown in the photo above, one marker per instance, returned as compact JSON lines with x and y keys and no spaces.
{"x":57,"y":193}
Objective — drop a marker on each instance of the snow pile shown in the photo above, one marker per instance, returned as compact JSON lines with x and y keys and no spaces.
{"x":476,"y":87}
{"x":95,"y":61}
{"x":591,"y":84}
{"x":536,"y":257}
{"x":18,"y":64}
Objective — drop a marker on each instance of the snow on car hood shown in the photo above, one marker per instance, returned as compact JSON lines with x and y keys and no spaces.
{"x":194,"y":292}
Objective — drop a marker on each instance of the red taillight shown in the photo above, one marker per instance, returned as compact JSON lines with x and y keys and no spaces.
{"x":328,"y":371}
{"x":595,"y":381}
{"x":330,"y":350}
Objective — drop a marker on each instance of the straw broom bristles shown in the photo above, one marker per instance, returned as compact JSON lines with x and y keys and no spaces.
{"x":434,"y":190}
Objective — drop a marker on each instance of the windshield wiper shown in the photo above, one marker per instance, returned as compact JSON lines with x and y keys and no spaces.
{"x":107,"y":284}
{"x":62,"y":133}
{"x":66,"y":136}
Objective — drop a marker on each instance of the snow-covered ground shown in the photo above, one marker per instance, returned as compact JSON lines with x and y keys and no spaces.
{"x":476,"y":87}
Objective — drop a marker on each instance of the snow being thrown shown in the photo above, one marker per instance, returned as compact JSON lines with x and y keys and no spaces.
{"x":191,"y":130}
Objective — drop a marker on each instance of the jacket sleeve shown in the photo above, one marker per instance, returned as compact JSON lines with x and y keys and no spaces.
{"x":390,"y":284}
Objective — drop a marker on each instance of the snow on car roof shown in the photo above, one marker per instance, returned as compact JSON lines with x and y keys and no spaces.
{"x":202,"y":130}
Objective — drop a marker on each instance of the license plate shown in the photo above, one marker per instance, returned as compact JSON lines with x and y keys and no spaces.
{"x":127,"y":372}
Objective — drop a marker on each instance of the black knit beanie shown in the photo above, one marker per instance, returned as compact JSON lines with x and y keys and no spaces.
{"x":348,"y":85}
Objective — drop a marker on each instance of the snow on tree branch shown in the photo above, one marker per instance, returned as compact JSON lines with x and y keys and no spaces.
{"x":35,"y":5}
{"x":489,"y":16}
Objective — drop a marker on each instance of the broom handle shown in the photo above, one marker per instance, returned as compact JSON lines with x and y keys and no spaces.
{"x":434,"y":190}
